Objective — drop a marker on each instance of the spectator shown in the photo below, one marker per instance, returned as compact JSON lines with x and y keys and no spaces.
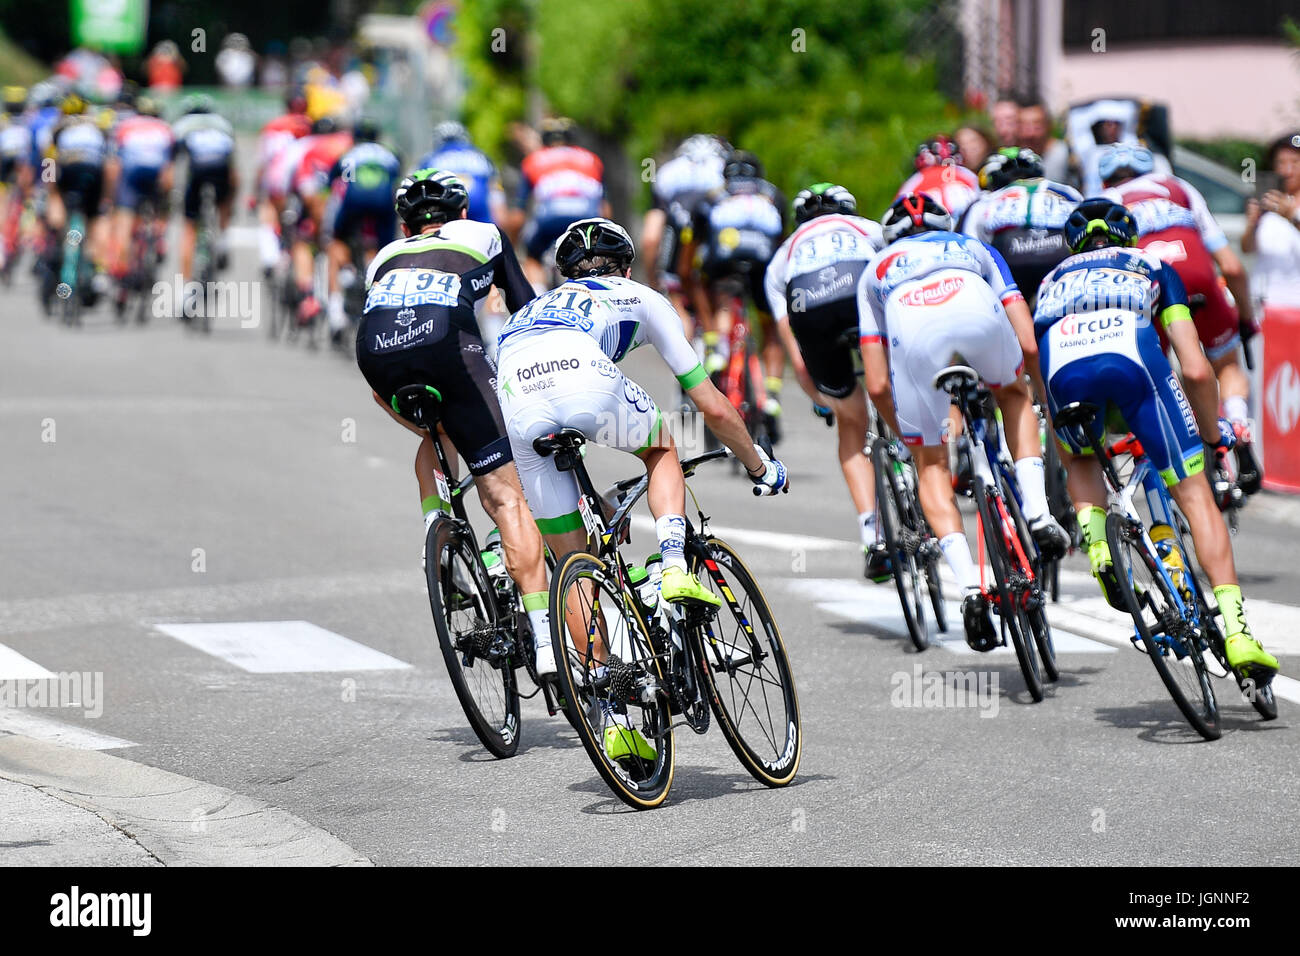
{"x":975,"y":144}
{"x":1035,"y":131}
{"x":1273,"y":232}
{"x":165,"y":67}
{"x":1005,"y":115}
{"x":236,"y":63}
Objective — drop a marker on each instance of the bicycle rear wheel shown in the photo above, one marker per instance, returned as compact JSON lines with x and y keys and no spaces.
{"x":1011,"y":589}
{"x":901,"y":540}
{"x":611,"y":680}
{"x":1261,"y":698}
{"x":1036,"y":610}
{"x":474,"y":647}
{"x":1176,"y":654}
{"x":751,"y":687}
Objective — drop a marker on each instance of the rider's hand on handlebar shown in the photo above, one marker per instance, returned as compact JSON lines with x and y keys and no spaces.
{"x":1227,"y":438}
{"x":772,"y":478}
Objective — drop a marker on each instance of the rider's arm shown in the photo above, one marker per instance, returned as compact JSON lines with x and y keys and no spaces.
{"x":510,"y":279}
{"x":774,"y":284}
{"x":652,"y":233}
{"x":871,"y":339}
{"x":1197,"y":373}
{"x":999,"y":277}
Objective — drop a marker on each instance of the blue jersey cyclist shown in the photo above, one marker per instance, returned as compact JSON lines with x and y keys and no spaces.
{"x":1095,"y":323}
{"x":454,"y":153}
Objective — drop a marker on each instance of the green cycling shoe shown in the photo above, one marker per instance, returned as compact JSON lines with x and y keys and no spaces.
{"x":1103,"y":569}
{"x":676,"y":585}
{"x":1247,"y":657}
{"x":624,"y":742}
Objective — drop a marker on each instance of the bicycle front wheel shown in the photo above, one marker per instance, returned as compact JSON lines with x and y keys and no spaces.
{"x":743,"y":661}
{"x":901,"y":540}
{"x":1011,"y":588}
{"x":611,"y":680}
{"x":475,"y":648}
{"x":1165,"y":633}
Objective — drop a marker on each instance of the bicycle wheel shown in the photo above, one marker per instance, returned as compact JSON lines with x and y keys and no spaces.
{"x":1175,"y":652}
{"x":1261,"y":698}
{"x":1036,"y":610}
{"x":475,"y":649}
{"x":902,"y":541}
{"x":751,"y":687}
{"x":1012,"y":589}
{"x":610,"y":678}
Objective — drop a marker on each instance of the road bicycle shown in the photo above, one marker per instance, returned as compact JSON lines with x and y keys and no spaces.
{"x":1017,"y":596}
{"x":625,"y":665}
{"x":208,"y":229}
{"x":483,"y":629}
{"x":1161,"y":589}
{"x":741,"y":378}
{"x":142,"y":265}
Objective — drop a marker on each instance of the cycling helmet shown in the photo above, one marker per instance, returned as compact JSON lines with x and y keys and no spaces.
{"x":1008,"y":165}
{"x":940,"y":151}
{"x":199,"y":103}
{"x":72,"y":105}
{"x":449,"y":132}
{"x":1098,"y":222}
{"x":44,"y":94}
{"x":430,"y":196}
{"x":742,"y":164}
{"x":703,"y":147}
{"x":15,"y":99}
{"x":592,"y":239}
{"x":365,"y":131}
{"x":821,"y":199}
{"x":324,"y":126}
{"x":913,"y":213}
{"x":557,"y":131}
{"x":1117,"y":157}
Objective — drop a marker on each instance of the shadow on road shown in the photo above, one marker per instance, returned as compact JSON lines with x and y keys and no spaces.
{"x":690,"y":783}
{"x":536,"y":734}
{"x":1161,"y":723}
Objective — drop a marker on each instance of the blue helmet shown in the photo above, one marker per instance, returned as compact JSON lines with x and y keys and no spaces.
{"x":1119,"y":156}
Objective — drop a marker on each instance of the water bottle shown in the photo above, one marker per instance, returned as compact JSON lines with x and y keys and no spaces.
{"x":1166,"y":542}
{"x":646,"y":591}
{"x":654,"y":566}
{"x":494,"y":560}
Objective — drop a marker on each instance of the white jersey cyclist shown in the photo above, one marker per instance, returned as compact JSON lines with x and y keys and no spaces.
{"x":1023,"y":222}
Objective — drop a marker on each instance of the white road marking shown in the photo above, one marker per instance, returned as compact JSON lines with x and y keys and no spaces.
{"x":13,"y":666}
{"x":280,"y":647}
{"x":40,"y":727}
{"x":776,"y":540}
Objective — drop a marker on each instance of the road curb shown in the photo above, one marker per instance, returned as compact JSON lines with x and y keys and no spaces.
{"x":177,"y":820}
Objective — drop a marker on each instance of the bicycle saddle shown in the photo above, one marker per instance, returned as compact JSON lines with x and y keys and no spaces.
{"x":956,"y":378}
{"x":419,"y":403}
{"x":566,"y":439}
{"x":1076,"y":415}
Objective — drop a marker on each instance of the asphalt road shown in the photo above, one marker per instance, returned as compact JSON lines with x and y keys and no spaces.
{"x":154,"y":478}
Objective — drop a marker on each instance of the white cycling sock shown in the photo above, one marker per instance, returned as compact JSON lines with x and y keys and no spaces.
{"x":336,"y":318}
{"x":867,"y":527}
{"x":539,"y":616}
{"x":1235,"y":409}
{"x":268,"y":247}
{"x":671,"y":531}
{"x":1030,"y":477}
{"x":957,"y":553}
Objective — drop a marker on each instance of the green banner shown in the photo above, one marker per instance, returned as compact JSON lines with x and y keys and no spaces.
{"x":115,"y":26}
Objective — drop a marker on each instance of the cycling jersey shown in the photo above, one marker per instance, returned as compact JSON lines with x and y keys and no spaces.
{"x":479,"y":174}
{"x":279,"y":133}
{"x":744,"y":220}
{"x":1095,"y":324}
{"x":679,"y":185}
{"x":557,"y":369}
{"x":365,"y":178}
{"x":1024,"y":222}
{"x":813,"y":281}
{"x":319,"y":154}
{"x":42,"y":125}
{"x":565,"y":185}
{"x":206,"y":138}
{"x":15,"y":148}
{"x":418,"y":328}
{"x":953,"y":187}
{"x":934,"y":297}
{"x":78,"y":140}
{"x":143,"y":142}
{"x":1175,"y":225}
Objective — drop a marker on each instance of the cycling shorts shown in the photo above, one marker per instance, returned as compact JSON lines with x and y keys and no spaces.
{"x":200,"y":176}
{"x":1216,"y":320}
{"x":86,"y":180}
{"x":134,"y":185}
{"x":540,"y":233}
{"x":1106,"y":358}
{"x":561,"y":379}
{"x":456,"y":365}
{"x":750,"y":273}
{"x":818,"y":331}
{"x":356,"y":208}
{"x":967,"y":325}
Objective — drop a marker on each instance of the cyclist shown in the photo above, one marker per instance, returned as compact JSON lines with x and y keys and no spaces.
{"x":1021,"y":216}
{"x":15,"y":167}
{"x":453,"y":152}
{"x":208,"y":142}
{"x":79,"y":149}
{"x":565,"y":184}
{"x":679,"y":184}
{"x":142,"y":168}
{"x":735,"y":231}
{"x":941,"y":176}
{"x":1095,"y":320}
{"x":419,"y":327}
{"x":362,"y":182}
{"x":812,"y":287}
{"x":1176,"y":226}
{"x":276,"y":137}
{"x":309,"y":181}
{"x":930,"y":293}
{"x":557,"y":368}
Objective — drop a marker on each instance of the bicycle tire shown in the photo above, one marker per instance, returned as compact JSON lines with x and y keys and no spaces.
{"x":1011,"y":616}
{"x":1124,"y":546}
{"x":1261,"y":698}
{"x":906,"y":572}
{"x":641,"y":783}
{"x":486,"y":688}
{"x":1037,"y":614}
{"x":770,"y":754}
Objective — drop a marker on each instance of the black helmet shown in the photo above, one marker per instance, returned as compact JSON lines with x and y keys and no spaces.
{"x":590,"y":239}
{"x":821,"y":199}
{"x":742,"y":164}
{"x":913,"y":213}
{"x":324,"y":126}
{"x":366,"y":131}
{"x":1009,"y":165}
{"x":1099,"y":222}
{"x":430,"y":196}
{"x":557,"y":131}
